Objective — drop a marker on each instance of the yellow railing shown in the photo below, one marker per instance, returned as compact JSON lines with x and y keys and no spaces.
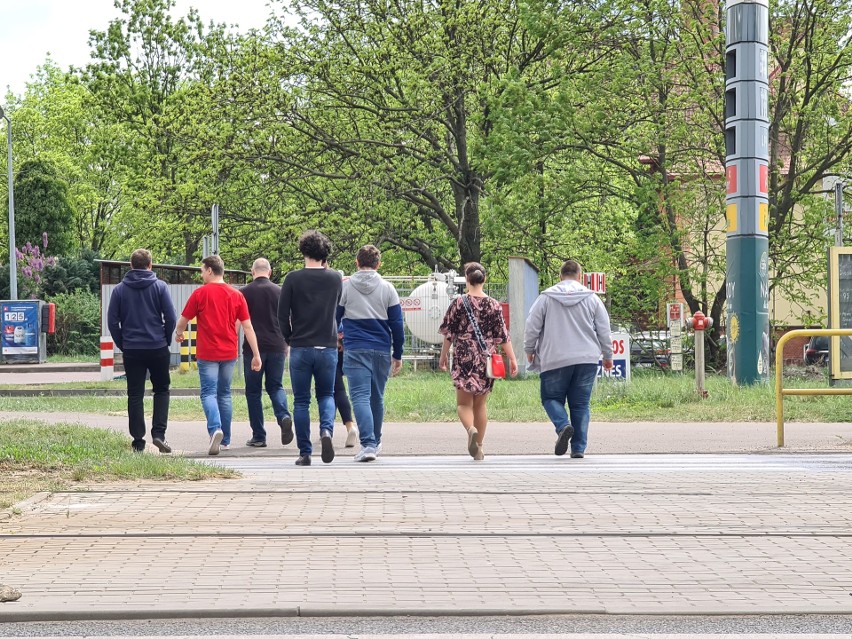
{"x":780,"y":391}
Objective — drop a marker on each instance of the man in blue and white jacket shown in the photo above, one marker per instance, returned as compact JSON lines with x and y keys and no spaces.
{"x":370,"y":317}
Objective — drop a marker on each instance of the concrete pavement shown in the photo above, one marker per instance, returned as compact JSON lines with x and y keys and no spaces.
{"x":504,"y":438}
{"x":443,"y":535}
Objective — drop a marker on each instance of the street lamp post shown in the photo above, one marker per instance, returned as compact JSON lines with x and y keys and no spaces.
{"x":13,"y":261}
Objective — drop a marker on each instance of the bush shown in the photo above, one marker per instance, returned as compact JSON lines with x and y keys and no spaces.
{"x":78,"y":324}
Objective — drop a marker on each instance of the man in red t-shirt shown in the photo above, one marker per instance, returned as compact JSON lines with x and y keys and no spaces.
{"x":218,"y":307}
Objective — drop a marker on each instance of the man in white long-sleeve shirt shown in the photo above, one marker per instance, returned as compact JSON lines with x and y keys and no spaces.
{"x":566,"y":333}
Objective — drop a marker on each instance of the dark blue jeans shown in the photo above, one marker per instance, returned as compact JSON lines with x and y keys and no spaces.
{"x":318,"y":365}
{"x":572,"y":384}
{"x":367,"y":372}
{"x":273,"y":371}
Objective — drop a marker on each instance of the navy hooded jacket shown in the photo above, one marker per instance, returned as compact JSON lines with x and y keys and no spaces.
{"x":141,"y":314}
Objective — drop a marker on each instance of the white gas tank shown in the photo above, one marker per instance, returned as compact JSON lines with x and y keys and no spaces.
{"x":425,"y":308}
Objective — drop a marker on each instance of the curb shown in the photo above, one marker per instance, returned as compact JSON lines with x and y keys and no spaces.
{"x":132,"y":614}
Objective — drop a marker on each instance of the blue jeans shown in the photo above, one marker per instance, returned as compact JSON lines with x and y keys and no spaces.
{"x":572,"y":384}
{"x":367,"y":372}
{"x":216,"y":395}
{"x":273,"y":369}
{"x":319,"y":365}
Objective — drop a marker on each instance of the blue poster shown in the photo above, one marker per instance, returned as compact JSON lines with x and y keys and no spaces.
{"x":20,"y":328}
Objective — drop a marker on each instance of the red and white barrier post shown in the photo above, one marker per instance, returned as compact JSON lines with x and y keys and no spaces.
{"x":107,"y":359}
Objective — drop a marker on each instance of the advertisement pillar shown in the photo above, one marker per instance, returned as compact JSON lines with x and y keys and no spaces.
{"x":747,"y":201}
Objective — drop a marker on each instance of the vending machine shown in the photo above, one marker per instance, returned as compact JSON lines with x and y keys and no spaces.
{"x":25,"y":324}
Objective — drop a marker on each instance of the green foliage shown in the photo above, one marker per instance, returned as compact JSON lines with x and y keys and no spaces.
{"x":70,"y":274}
{"x":78,"y":324}
{"x":445,"y":132}
{"x":42,"y":206}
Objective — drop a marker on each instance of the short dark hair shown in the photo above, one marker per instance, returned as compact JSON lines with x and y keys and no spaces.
{"x":571,"y":268}
{"x":315,"y":245}
{"x":215,"y":264}
{"x":474,"y":273}
{"x":140,"y":259}
{"x":368,"y":256}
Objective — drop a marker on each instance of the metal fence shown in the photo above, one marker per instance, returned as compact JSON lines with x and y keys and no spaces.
{"x":423,"y":351}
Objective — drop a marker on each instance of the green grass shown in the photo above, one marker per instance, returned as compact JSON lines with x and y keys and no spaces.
{"x":428,"y":396}
{"x":35,"y":456}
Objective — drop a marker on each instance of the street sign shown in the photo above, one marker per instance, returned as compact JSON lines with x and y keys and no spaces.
{"x":674,"y":313}
{"x":620,"y":358}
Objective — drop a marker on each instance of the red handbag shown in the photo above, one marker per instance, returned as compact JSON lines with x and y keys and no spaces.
{"x":495,"y":367}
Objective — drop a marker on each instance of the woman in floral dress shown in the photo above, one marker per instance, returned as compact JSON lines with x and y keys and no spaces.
{"x":468,"y":373}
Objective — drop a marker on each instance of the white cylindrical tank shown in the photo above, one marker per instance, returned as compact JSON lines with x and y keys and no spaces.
{"x":425,"y":308}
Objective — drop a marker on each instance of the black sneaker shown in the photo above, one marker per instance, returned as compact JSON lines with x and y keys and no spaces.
{"x":327,"y":446}
{"x":162,"y":445}
{"x":563,"y":438}
{"x":286,"y":424}
{"x":256,"y":443}
{"x":304,"y":460}
{"x":576,"y":455}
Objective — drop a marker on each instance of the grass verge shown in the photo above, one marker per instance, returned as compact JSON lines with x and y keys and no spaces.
{"x":430,"y":397}
{"x":35,"y":457}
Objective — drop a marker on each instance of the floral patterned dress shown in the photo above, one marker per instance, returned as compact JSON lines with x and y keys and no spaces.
{"x":468,"y":371}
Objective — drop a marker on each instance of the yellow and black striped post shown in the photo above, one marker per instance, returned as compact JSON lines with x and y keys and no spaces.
{"x":187,"y":348}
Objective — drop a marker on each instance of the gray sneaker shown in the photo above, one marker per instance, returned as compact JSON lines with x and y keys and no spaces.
{"x":366,"y":454}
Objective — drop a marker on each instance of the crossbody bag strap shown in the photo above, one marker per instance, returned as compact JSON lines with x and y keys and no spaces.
{"x":467,"y":307}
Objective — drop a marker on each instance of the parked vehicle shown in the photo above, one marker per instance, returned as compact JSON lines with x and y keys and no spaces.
{"x":816,"y":350}
{"x":650,"y":349}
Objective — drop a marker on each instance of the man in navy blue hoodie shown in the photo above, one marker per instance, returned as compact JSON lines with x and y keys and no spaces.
{"x":141,"y":320}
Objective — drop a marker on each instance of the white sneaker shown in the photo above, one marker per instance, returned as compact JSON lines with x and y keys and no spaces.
{"x":215,"y":441}
{"x":366,"y":454}
{"x":379,"y":448}
{"x":352,"y":437}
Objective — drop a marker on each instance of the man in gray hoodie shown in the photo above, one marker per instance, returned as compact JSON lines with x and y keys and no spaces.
{"x":566,"y":333}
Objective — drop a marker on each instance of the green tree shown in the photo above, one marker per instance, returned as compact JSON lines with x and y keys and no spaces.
{"x":42,"y":208}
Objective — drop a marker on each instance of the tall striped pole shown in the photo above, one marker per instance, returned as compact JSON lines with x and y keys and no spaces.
{"x":747,"y":200}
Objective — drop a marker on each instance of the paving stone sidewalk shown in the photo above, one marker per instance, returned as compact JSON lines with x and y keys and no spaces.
{"x":443,"y":535}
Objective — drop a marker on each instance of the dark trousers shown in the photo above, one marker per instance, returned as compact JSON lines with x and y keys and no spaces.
{"x":341,"y":399}
{"x":138,"y":362}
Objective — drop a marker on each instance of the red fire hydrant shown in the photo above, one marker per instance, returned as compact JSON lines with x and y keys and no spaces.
{"x":699,"y":323}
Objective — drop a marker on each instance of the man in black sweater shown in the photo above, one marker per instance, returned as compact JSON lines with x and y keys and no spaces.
{"x":306,"y":314}
{"x":262,"y":300}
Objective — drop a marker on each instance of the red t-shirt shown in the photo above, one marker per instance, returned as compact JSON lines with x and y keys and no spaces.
{"x":217,"y":307}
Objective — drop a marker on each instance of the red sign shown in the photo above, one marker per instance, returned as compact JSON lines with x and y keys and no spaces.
{"x":595,"y":281}
{"x":763,"y":181}
{"x":731,"y":173}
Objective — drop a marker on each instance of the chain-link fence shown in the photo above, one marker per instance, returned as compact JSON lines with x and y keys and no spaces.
{"x":417,"y":349}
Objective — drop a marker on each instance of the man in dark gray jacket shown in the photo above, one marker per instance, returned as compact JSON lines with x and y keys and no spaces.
{"x":141,"y":320}
{"x":566,"y":334}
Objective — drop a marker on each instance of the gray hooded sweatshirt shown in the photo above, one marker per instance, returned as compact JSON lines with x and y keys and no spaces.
{"x":568,"y":324}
